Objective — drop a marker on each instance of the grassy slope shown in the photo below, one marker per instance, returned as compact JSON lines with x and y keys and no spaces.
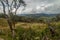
{"x":3,"y":23}
{"x":35,"y":26}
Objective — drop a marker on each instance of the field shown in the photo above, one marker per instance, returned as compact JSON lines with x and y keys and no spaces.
{"x":30,"y":31}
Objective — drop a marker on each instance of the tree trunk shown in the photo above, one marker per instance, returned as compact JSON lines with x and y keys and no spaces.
{"x":12,"y":30}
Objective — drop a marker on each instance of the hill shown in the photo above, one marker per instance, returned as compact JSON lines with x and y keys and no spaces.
{"x":37,"y":15}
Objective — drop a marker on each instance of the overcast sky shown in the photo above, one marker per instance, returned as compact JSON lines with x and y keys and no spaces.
{"x":40,"y":6}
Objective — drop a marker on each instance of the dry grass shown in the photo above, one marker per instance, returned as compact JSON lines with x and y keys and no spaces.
{"x":34,"y":26}
{"x":4,"y":25}
{"x":38,"y":27}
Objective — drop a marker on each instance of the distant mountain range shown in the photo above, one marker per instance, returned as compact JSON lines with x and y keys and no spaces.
{"x":38,"y":15}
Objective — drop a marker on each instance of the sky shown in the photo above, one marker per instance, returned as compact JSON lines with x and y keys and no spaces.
{"x":39,"y":6}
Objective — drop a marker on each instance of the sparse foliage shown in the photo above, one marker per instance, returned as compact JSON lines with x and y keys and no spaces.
{"x":15,"y":4}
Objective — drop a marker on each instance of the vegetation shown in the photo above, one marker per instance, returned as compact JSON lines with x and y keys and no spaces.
{"x":15,"y":4}
{"x":13,"y":27}
{"x":31,"y":31}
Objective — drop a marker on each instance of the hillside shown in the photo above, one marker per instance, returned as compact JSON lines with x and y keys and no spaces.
{"x":37,"y":15}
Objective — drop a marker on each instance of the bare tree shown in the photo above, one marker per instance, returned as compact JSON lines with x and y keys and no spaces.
{"x":15,"y":4}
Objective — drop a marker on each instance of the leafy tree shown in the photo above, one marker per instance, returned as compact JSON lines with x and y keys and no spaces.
{"x":58,"y":17}
{"x":2,"y":15}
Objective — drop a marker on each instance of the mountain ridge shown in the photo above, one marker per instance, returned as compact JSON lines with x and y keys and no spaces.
{"x":38,"y":15}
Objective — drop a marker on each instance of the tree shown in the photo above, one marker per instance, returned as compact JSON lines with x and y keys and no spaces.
{"x":15,"y":4}
{"x":58,"y":17}
{"x":2,"y":15}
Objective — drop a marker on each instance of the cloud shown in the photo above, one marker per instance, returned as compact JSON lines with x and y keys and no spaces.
{"x":47,"y":6}
{"x":52,"y":6}
{"x":1,"y":9}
